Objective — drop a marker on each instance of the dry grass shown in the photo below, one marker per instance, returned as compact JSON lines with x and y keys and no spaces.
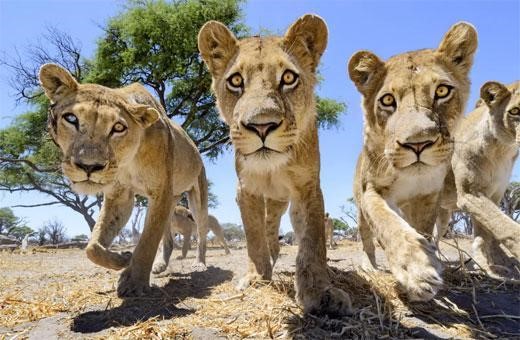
{"x":183,"y":302}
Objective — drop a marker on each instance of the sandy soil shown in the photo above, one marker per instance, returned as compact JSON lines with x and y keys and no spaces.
{"x":61,"y":294}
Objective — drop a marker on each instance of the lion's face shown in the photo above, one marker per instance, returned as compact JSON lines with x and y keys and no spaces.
{"x":95,"y":128}
{"x":264,"y":87}
{"x":414,"y":101}
{"x":504,"y":107}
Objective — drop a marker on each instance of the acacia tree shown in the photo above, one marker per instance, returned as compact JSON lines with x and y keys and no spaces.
{"x":153,"y":42}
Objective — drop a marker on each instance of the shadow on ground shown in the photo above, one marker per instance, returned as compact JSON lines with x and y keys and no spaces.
{"x":162,"y":302}
{"x":470,"y":306}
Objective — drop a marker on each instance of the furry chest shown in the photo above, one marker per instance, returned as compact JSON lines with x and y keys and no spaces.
{"x":271,"y":186}
{"x":416,"y":182}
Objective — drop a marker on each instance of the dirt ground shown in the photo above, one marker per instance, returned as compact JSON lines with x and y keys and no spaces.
{"x":61,"y":294}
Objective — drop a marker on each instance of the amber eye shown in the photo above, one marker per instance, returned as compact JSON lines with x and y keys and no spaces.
{"x":236,"y":80}
{"x":515,"y":111}
{"x":289,"y":77}
{"x":118,"y":128}
{"x":70,"y":118}
{"x":442,"y":91}
{"x":387,"y":100}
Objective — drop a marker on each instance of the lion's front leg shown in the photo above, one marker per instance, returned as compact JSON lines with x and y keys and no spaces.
{"x":410,"y":255}
{"x":493,"y":220}
{"x":135,"y":279}
{"x":313,"y":287}
{"x":273,"y":214}
{"x":252,"y":210}
{"x":115,"y":212}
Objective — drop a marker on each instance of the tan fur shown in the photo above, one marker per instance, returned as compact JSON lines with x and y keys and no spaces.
{"x":329,"y":231}
{"x":396,"y":188}
{"x":183,"y":224}
{"x":153,"y":157}
{"x":486,"y":149}
{"x":287,"y":168}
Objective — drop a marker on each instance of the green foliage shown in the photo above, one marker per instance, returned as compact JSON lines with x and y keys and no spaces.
{"x":233,"y":232}
{"x":19,"y":232}
{"x":80,"y":238}
{"x":8,"y":221}
{"x":329,"y":111}
{"x":339,"y":224}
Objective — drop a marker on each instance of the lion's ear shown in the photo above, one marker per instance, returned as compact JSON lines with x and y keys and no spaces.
{"x":458,"y":46}
{"x":56,"y":81}
{"x":143,"y":115}
{"x":363,"y":68}
{"x":217,"y":45}
{"x":306,"y":39}
{"x":492,"y":93}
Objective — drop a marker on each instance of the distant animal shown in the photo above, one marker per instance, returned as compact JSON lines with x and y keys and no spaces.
{"x":120,"y":142}
{"x":184,"y":224}
{"x":329,"y":231}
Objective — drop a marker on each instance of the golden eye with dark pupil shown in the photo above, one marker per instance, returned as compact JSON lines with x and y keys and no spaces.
{"x":388,"y":100}
{"x":70,"y":118}
{"x":514,"y":111}
{"x":236,"y":80}
{"x":442,"y":91}
{"x":118,"y":127}
{"x":289,"y":77}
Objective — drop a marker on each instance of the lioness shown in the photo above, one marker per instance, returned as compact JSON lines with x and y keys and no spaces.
{"x":121,"y":143}
{"x":184,"y":224}
{"x":265,"y":92}
{"x":486,"y":149}
{"x":412,"y":104}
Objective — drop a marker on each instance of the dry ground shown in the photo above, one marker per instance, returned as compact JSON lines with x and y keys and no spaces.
{"x":60,"y":293}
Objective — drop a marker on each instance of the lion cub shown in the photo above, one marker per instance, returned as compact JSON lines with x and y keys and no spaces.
{"x":412,"y":104}
{"x":265,"y":93}
{"x":486,"y":149}
{"x":120,"y":142}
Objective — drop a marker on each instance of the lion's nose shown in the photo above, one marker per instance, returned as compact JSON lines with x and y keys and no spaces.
{"x":418,"y":147}
{"x":90,"y":168}
{"x":262,"y":130}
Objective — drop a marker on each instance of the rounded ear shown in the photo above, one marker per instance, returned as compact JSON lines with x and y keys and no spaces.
{"x":143,"y":115}
{"x":306,"y":39}
{"x":217,"y":45}
{"x":458,"y":46}
{"x":56,"y":81}
{"x":363,"y":67}
{"x":492,"y":93}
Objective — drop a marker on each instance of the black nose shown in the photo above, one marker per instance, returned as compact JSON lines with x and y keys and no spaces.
{"x":90,"y":168}
{"x":262,"y":130}
{"x":418,"y":147}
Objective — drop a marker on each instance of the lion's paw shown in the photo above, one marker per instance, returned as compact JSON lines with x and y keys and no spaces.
{"x":129,"y":286}
{"x":331,"y":301}
{"x":159,"y":267}
{"x":198,"y":266}
{"x":248,"y":280}
{"x":417,"y":269}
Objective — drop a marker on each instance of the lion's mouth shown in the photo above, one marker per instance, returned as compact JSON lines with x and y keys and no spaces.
{"x":263,"y":151}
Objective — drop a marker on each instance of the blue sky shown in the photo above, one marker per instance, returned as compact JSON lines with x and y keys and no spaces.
{"x":384,"y":27}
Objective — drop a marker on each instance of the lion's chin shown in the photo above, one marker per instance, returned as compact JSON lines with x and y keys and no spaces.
{"x":264,"y":160}
{"x":88,"y":187}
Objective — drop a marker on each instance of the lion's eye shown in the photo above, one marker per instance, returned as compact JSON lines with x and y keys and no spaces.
{"x":118,"y":128}
{"x":515,"y":111}
{"x":442,"y":91}
{"x":236,"y":81}
{"x":289,"y":78}
{"x":387,"y":100}
{"x":70,"y":118}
